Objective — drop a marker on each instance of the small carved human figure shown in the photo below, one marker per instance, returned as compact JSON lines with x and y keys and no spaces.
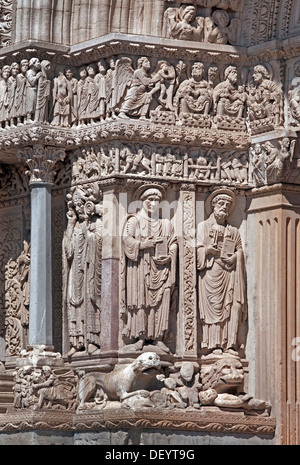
{"x":229,"y":99}
{"x":100,"y":94}
{"x":20,"y":102}
{"x":82,"y":249}
{"x":62,"y":98}
{"x":194,"y":95}
{"x":182,"y":23}
{"x":278,"y":160}
{"x":43,"y":94}
{"x":221,"y":279}
{"x":4,"y":96}
{"x":264,"y":97}
{"x":83,"y":97}
{"x":74,"y":100}
{"x":258,"y":165}
{"x":140,"y":93}
{"x":149,"y":273}
{"x":33,"y":75}
{"x":53,"y":389}
{"x":11,"y":94}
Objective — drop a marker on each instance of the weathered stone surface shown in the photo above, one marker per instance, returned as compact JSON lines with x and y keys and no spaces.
{"x":149,"y":199}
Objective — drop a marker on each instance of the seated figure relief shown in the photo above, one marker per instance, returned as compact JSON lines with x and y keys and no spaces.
{"x":264,"y":99}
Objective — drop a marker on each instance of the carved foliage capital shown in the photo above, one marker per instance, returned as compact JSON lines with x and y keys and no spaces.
{"x":41,"y":161}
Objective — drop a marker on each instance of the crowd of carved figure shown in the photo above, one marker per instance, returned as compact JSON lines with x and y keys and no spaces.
{"x":116,"y":88}
{"x":265,"y":163}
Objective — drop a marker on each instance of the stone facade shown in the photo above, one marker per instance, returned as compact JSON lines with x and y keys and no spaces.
{"x":149,"y":201}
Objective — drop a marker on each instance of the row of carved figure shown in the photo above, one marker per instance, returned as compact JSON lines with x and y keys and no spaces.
{"x":148,"y":277}
{"x":149,"y":272}
{"x":167,"y":95}
{"x":143,"y":383}
{"x":267,"y":163}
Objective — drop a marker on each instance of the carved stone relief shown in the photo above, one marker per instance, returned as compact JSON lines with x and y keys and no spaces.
{"x":82,"y":249}
{"x":5,"y":22}
{"x":150,"y":250}
{"x":17,"y":302}
{"x":221,"y":280}
{"x":272,"y":162}
{"x":171,"y":93}
{"x":184,"y":23}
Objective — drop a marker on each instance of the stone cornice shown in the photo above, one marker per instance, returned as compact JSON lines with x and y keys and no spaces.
{"x":207,"y":420}
{"x":129,"y":44}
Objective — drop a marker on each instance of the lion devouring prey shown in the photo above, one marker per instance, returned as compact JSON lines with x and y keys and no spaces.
{"x":123,"y":382}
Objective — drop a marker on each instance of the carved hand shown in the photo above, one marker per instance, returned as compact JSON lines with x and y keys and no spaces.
{"x":147,"y":244}
{"x":212,"y":250}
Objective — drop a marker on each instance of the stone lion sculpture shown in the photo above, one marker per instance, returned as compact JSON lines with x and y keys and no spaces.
{"x":125,"y":381}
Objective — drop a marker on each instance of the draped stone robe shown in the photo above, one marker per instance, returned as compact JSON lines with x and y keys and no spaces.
{"x":221,"y":289}
{"x":148,"y":282}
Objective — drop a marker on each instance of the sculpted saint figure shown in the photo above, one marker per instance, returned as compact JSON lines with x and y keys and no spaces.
{"x":20,"y":95}
{"x":82,"y":255}
{"x":74,"y":98}
{"x":33,"y":74}
{"x":229,"y":99}
{"x":62,"y":98}
{"x":43,"y":94}
{"x":11,"y":93}
{"x":150,"y":252}
{"x":83,"y":97}
{"x":264,"y":97}
{"x":194,"y":95}
{"x":4,"y":96}
{"x":221,"y":281}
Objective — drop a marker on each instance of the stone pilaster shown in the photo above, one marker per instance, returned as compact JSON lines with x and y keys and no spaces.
{"x":273,"y":288}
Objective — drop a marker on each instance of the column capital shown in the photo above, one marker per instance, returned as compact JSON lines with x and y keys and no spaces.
{"x":41,"y":160}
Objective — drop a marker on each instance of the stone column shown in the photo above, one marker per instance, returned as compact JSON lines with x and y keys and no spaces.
{"x":110,"y":272}
{"x":41,"y":161}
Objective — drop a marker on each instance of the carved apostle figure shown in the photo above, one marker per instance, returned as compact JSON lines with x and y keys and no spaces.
{"x":33,"y":75}
{"x":74,"y":97}
{"x":11,"y":93}
{"x":229,"y":99}
{"x":221,"y":282}
{"x":194,"y":95}
{"x":62,"y":99}
{"x":43,"y":94}
{"x":264,"y":97}
{"x":21,"y":93}
{"x":150,"y":252}
{"x":4,"y":96}
{"x":82,"y":253}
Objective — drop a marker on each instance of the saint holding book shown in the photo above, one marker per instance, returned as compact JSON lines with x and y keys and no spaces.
{"x":221,"y":277}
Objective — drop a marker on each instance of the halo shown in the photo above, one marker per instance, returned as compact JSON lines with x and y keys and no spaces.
{"x":138,"y":193}
{"x":222,"y":190}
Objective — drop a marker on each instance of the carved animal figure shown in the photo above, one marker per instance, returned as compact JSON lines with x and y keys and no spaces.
{"x":123,"y":382}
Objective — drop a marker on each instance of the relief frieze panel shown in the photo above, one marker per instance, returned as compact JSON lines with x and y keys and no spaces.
{"x":195,"y":95}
